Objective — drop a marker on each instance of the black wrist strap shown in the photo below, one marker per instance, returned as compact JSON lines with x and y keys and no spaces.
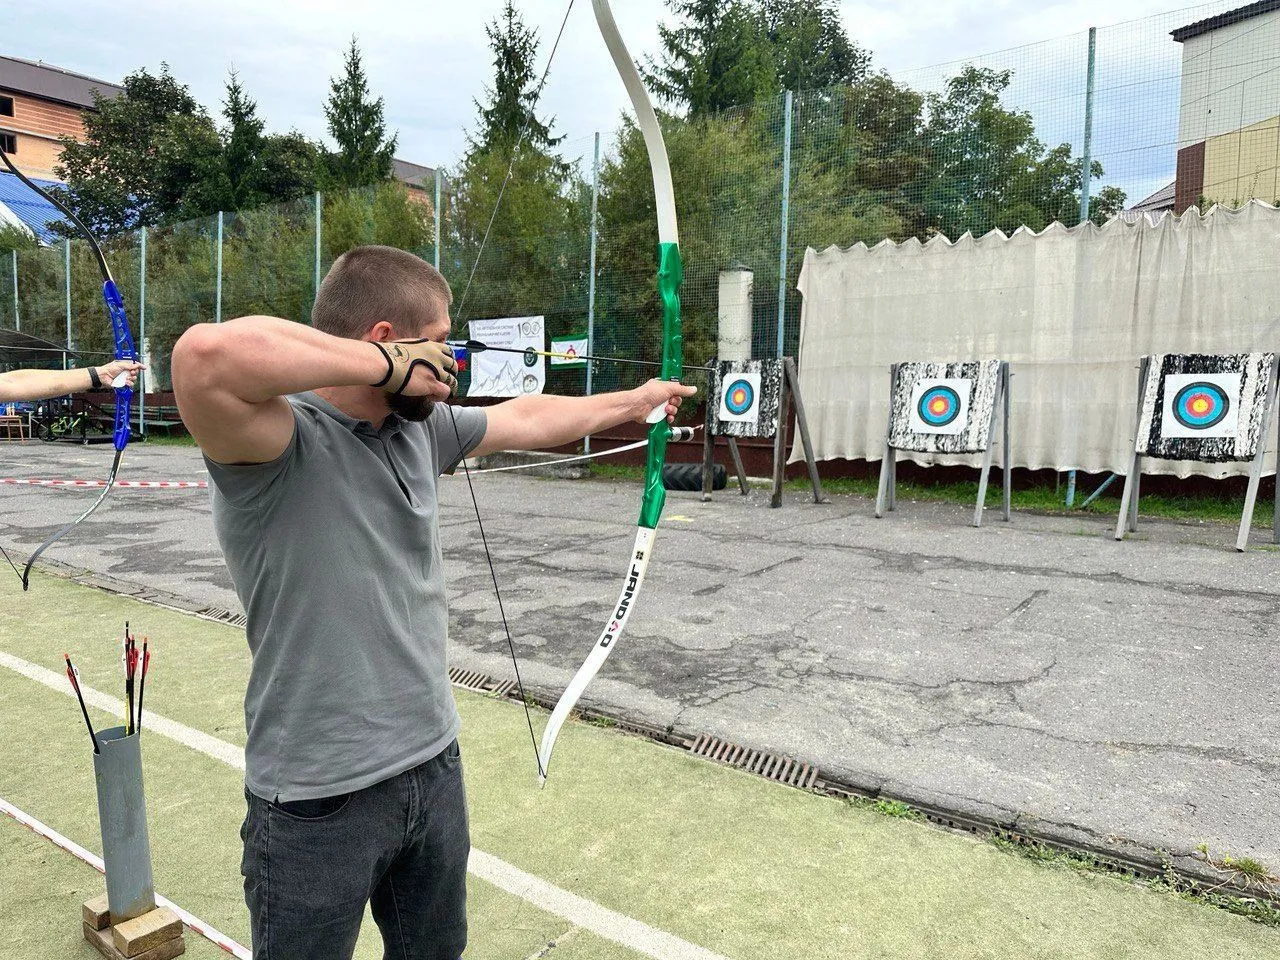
{"x":391,"y":367}
{"x":95,"y":381}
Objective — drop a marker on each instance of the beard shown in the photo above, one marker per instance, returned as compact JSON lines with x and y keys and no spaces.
{"x":413,"y":409}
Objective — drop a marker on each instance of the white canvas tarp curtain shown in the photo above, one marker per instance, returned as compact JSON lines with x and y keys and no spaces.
{"x":1071,"y":309}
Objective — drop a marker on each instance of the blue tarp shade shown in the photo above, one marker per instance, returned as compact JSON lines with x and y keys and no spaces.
{"x":29,"y":207}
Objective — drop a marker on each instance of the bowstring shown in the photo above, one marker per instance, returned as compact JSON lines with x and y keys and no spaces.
{"x":462,"y":303}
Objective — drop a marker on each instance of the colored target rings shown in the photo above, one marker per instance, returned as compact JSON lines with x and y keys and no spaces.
{"x":1201,"y":405}
{"x":739,"y":396}
{"x":938,"y":406}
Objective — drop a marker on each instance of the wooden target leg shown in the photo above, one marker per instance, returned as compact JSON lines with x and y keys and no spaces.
{"x":736,"y":455}
{"x":1006,"y":451}
{"x":1129,"y":495}
{"x":1255,"y":469}
{"x":882,"y":492}
{"x":708,"y":459}
{"x":893,"y":481}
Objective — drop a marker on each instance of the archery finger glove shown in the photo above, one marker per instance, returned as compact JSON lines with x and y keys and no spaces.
{"x":405,"y":356}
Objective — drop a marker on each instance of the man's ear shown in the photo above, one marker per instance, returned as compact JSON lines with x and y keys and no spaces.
{"x":381,"y":332}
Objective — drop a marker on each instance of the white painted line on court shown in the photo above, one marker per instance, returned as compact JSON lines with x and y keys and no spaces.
{"x":609,"y":924}
{"x":210,"y":933}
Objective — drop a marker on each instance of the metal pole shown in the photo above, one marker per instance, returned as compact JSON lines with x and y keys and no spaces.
{"x":786,"y":216}
{"x":319,"y":235}
{"x":142,"y":332}
{"x":17,"y":322}
{"x":1086,"y":164}
{"x":66,"y":250}
{"x":439,"y":178}
{"x":1086,"y":160}
{"x":217,"y":306}
{"x":591,"y":279}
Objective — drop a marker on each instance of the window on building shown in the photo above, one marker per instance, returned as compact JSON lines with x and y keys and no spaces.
{"x":6,"y":106}
{"x":8,"y":143}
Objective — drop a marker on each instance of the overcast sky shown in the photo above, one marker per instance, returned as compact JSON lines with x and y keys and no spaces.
{"x":430,"y":60}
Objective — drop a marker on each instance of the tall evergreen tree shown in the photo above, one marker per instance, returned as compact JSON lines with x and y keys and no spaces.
{"x":512,"y":99}
{"x":810,"y":47}
{"x":357,"y":125}
{"x":718,"y":57}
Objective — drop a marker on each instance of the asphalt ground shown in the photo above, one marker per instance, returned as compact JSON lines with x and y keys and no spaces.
{"x":632,"y":849}
{"x":1123,"y":695}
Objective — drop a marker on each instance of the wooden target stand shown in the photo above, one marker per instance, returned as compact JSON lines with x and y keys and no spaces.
{"x":1127,"y":521}
{"x":790,"y":393}
{"x":887,"y":491}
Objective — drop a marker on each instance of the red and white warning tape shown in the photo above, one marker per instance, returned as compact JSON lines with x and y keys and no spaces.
{"x":195,"y":923}
{"x":127,"y":484}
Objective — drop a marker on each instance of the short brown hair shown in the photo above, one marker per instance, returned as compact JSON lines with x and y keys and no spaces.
{"x":369,"y":284}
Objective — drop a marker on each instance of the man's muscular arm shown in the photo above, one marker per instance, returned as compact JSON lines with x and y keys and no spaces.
{"x":231,"y":379}
{"x":542,"y":421}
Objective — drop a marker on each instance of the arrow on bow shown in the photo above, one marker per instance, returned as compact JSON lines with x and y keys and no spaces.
{"x":124,"y":350}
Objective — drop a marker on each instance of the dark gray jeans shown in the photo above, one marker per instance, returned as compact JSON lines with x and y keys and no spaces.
{"x":311,"y":866}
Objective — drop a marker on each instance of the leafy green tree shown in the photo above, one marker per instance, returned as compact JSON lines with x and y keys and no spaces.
{"x":357,"y":125}
{"x":143,"y":151}
{"x":988,"y":170}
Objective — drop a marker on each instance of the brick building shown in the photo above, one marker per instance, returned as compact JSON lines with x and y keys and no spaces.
{"x":1229,"y":120}
{"x":38,"y":104}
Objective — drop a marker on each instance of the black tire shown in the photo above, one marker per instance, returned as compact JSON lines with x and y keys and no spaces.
{"x":688,"y":476}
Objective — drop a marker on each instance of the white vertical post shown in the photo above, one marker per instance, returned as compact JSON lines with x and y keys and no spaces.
{"x":17,"y":322}
{"x":319,"y":236}
{"x":591,"y":278}
{"x":786,"y":216}
{"x":217,"y":303}
{"x":66,"y":270}
{"x":438,"y":218}
{"x":142,"y":333}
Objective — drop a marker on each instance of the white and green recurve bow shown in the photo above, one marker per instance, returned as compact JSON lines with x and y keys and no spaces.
{"x":670,"y":272}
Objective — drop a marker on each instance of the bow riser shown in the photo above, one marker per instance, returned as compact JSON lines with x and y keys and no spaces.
{"x":124,"y":350}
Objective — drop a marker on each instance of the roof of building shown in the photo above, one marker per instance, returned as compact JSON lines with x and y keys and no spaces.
{"x":43,"y":80}
{"x":35,"y":212}
{"x":1162,"y":199}
{"x":1224,"y":20}
{"x":414,"y":174}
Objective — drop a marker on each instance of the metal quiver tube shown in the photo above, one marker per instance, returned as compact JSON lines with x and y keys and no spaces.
{"x":122,"y":815}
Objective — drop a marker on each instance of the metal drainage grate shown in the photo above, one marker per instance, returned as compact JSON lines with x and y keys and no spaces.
{"x":219,"y":615}
{"x":478,"y":682}
{"x":767,"y":765}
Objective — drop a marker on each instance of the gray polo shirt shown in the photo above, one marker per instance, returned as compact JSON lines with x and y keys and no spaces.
{"x":334,"y":550}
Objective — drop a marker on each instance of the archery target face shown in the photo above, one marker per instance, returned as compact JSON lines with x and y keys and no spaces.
{"x":740,"y":398}
{"x":940,"y":405}
{"x":1201,"y":405}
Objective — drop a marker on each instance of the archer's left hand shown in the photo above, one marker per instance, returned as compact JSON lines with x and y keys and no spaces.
{"x":658,"y":392}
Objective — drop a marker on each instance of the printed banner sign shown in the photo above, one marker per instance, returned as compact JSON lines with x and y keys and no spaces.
{"x":497,"y":373}
{"x":576,"y":348}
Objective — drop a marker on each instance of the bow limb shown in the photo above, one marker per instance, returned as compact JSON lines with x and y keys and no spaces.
{"x":670,"y":273}
{"x":122,"y":340}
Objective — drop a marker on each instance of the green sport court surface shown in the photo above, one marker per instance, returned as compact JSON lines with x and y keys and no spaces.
{"x":632,"y":850}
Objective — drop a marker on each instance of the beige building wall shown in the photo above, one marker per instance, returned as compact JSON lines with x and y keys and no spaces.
{"x":1228,"y":78}
{"x":1244,"y":164}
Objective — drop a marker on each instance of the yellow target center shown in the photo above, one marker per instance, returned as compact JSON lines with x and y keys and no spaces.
{"x":938,"y":406}
{"x":1200,"y":405}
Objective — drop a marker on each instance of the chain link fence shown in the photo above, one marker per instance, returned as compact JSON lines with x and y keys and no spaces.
{"x":1141,"y":117}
